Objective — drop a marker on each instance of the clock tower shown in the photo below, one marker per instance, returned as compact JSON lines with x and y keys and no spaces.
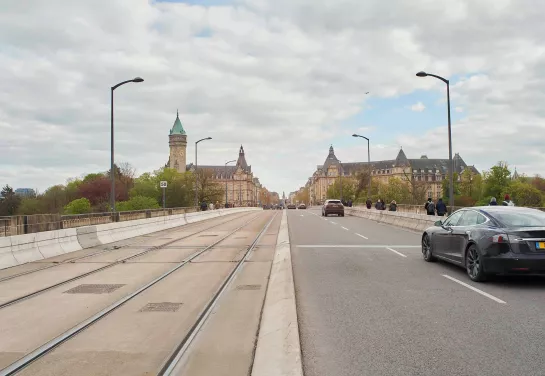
{"x":177,"y":141}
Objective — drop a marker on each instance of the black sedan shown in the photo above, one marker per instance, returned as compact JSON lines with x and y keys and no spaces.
{"x":489,"y":240}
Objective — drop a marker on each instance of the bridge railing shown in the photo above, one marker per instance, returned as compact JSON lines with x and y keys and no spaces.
{"x":27,"y":224}
{"x":419,"y":209}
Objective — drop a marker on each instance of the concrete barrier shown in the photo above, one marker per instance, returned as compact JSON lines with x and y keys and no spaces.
{"x":20,"y":249}
{"x":411,"y":221}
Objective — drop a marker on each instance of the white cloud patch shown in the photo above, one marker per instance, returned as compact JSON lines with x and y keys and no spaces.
{"x":418,"y":107}
{"x":258,"y":73}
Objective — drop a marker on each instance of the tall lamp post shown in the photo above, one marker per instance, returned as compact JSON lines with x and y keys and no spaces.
{"x":112,"y":173}
{"x":341,"y":180}
{"x":368,"y":162}
{"x":196,"y":172}
{"x":451,"y":167}
{"x":226,"y":163}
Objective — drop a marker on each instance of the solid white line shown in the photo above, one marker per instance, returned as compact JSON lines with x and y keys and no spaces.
{"x":361,"y":236}
{"x":334,"y":222}
{"x":393,"y":250}
{"x":475,"y":289}
{"x":344,"y":228}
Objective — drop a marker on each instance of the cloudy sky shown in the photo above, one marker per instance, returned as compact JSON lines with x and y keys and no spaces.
{"x":284,"y":78}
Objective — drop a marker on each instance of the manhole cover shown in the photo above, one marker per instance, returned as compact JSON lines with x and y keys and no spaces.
{"x":248,"y":287}
{"x":93,"y":289}
{"x":206,"y":236}
{"x":161,"y":307}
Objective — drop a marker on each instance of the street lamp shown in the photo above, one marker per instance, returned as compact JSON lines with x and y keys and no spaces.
{"x":112,"y":173}
{"x":234,"y":160}
{"x":341,"y":180}
{"x":451,"y":167}
{"x":368,"y":162}
{"x":196,"y":173}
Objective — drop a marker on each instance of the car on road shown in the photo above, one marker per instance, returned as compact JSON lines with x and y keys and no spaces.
{"x":302,"y":206}
{"x":489,"y":240}
{"x":291,"y":206}
{"x":333,"y":207}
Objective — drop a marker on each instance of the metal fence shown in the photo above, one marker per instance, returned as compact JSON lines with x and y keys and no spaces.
{"x":28,"y":224}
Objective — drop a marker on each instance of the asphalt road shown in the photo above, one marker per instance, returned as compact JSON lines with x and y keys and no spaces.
{"x":369,"y":305}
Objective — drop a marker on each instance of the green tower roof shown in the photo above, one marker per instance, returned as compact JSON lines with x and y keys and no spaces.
{"x":177,"y":128}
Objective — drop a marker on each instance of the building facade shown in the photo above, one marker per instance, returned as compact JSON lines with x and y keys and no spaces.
{"x":241,"y":187}
{"x":423,"y":171}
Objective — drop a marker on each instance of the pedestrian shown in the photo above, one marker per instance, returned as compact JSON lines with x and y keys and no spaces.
{"x":441,"y":208}
{"x":350,"y":203}
{"x":368,"y":203}
{"x":507,"y":201}
{"x":378,"y":205}
{"x":204,"y":206}
{"x":493,"y":202}
{"x":430,"y":207}
{"x":382,"y":204}
{"x":393,"y":206}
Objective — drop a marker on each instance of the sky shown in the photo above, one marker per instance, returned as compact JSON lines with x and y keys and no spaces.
{"x":284,"y":78}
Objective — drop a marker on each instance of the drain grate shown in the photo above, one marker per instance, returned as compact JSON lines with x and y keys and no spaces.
{"x":249,"y":287}
{"x":161,"y":307}
{"x":93,"y":289}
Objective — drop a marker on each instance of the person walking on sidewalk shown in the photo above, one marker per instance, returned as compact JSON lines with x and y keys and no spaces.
{"x":441,"y":208}
{"x":430,"y":207}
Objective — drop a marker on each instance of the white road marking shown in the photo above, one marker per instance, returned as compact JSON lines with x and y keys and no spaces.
{"x":353,"y":246}
{"x":475,"y":289}
{"x":302,"y":215}
{"x":361,"y":236}
{"x":393,"y":250}
{"x":344,"y":228}
{"x":334,"y":222}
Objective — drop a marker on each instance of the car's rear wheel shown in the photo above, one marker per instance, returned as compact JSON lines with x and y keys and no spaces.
{"x":474,"y":264}
{"x":426,"y":249}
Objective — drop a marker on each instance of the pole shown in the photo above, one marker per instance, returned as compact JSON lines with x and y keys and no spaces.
{"x":225,"y":174}
{"x":341,"y":179}
{"x":370,"y":170}
{"x":112,"y":174}
{"x":451,"y":172}
{"x":196,"y":178}
{"x":164,"y":199}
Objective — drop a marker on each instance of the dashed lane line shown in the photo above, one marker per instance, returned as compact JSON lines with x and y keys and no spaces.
{"x":396,"y":252}
{"x":497,"y":300}
{"x":344,"y":228}
{"x":361,"y":236}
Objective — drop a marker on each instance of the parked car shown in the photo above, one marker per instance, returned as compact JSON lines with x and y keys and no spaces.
{"x":489,"y":240}
{"x":291,"y":206}
{"x":302,"y":206}
{"x":333,"y":207}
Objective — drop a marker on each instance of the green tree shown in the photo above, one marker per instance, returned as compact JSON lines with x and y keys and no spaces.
{"x":78,"y":206}
{"x":445,"y":185}
{"x":524,"y":194}
{"x":10,"y":201}
{"x":497,"y":180}
{"x":92,"y":176}
{"x":348,"y":190}
{"x":209,"y":190}
{"x":146,"y":185}
{"x":397,"y":190}
{"x":30,"y":206}
{"x":138,"y":203}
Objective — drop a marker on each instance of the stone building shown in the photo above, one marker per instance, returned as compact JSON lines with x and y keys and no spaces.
{"x":423,"y":169}
{"x":242,"y":187}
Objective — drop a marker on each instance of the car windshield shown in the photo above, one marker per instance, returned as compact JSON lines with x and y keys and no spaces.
{"x":334,"y":202}
{"x":522,"y":219}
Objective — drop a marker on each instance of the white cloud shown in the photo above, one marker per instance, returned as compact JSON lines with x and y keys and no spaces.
{"x":418,"y":107}
{"x":459,"y":109}
{"x":268,"y":71}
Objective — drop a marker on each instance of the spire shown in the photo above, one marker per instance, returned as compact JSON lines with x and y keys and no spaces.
{"x":515,"y":174}
{"x":401,"y":159}
{"x":177,"y":128}
{"x":242,"y":159}
{"x":331,"y":151}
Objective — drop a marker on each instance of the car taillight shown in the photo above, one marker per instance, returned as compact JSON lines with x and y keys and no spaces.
{"x":501,"y":238}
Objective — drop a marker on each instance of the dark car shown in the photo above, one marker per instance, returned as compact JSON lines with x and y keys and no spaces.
{"x":333,"y":207}
{"x":489,"y":240}
{"x":291,"y":206}
{"x":302,"y":206}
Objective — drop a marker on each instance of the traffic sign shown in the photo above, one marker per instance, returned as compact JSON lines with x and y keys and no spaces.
{"x":163,"y":184}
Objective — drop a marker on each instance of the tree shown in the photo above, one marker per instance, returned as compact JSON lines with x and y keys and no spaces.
{"x":10,"y":201}
{"x":417,"y":189}
{"x":146,"y":185}
{"x":97,"y":190}
{"x":396,"y":189}
{"x":497,"y":180}
{"x":180,"y":187}
{"x":30,"y":206}
{"x":524,"y":194}
{"x":362,"y":184}
{"x":303,"y":196}
{"x":78,"y":206}
{"x":348,"y":189}
{"x":138,"y":203}
{"x":209,"y":190}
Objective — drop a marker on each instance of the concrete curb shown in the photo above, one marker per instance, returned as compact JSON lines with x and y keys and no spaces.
{"x":411,"y":221}
{"x":278,"y":351}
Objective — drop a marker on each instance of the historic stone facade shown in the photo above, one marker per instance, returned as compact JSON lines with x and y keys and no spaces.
{"x":432,"y":172}
{"x":241,"y":186}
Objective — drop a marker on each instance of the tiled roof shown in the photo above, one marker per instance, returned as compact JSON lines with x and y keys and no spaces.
{"x":177,"y":128}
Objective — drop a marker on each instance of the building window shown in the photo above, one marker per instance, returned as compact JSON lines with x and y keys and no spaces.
{"x":429,"y":194}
